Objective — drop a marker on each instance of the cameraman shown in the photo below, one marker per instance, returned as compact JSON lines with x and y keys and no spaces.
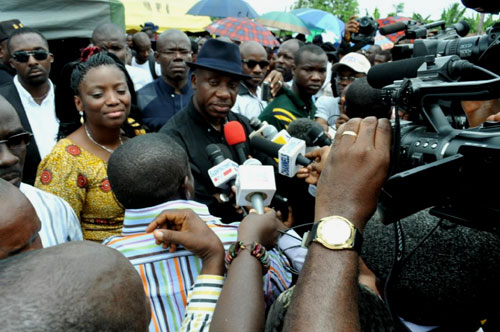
{"x":449,"y":275}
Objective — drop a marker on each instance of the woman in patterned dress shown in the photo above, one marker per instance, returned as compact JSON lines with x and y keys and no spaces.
{"x":76,"y":168}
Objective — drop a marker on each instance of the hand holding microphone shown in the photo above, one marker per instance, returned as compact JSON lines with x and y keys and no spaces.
{"x":255,"y":185}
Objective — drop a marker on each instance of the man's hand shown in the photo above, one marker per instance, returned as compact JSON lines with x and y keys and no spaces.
{"x":276,"y":81}
{"x":355,"y":170}
{"x":262,"y":228}
{"x":351,"y":27}
{"x":312,"y":172}
{"x":172,"y":227}
{"x":479,"y":111}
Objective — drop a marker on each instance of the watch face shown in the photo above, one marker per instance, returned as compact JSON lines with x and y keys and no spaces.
{"x":335,"y":231}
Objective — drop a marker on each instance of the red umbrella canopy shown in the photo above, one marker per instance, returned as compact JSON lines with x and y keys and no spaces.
{"x":242,"y":29}
{"x":390,"y":20}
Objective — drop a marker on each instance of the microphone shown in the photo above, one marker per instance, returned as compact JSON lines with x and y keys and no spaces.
{"x":386,"y":73}
{"x":300,"y":128}
{"x":269,"y":132}
{"x":255,"y":185}
{"x":290,"y":155}
{"x":235,"y":136}
{"x":394,"y":27}
{"x":224,"y":170}
{"x":318,"y":137}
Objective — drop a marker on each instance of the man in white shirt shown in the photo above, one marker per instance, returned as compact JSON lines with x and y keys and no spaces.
{"x":32,"y":93}
{"x":112,"y":38}
{"x":58,"y":220}
{"x":143,"y":56}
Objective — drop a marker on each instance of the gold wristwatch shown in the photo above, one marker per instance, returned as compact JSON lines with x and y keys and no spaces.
{"x":336,"y":233}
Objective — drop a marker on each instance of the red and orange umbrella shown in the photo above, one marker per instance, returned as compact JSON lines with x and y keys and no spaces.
{"x":243,"y":29}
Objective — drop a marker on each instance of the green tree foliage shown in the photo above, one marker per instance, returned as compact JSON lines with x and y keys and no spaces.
{"x":473,"y":21}
{"x":419,"y":18}
{"x":342,"y":9}
{"x":376,"y":13}
{"x":453,"y":14}
{"x":398,"y":9}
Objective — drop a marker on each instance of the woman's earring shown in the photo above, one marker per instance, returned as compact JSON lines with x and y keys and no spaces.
{"x":82,"y":120}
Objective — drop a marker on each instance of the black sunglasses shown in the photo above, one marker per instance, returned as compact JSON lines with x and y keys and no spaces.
{"x":17,"y":141}
{"x":252,"y":63}
{"x":24,"y":56}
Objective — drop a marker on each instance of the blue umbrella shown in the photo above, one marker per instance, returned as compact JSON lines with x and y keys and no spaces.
{"x":223,"y":8}
{"x":321,"y":20}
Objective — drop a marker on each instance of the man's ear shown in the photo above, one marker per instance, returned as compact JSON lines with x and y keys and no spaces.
{"x":186,"y":188}
{"x":157,"y":57}
{"x":194,"y":81}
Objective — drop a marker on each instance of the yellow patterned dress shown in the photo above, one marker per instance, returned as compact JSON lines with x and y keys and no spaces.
{"x":81,"y":179}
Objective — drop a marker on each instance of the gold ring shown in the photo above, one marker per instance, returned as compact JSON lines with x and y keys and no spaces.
{"x":350,"y":133}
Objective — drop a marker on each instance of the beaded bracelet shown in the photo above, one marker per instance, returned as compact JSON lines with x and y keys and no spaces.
{"x":256,"y":249}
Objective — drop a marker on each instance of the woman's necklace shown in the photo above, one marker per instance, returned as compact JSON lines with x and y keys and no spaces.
{"x":100,"y":145}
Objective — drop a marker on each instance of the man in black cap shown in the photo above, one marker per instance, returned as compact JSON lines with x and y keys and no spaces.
{"x":215,"y":82}
{"x":6,"y":71}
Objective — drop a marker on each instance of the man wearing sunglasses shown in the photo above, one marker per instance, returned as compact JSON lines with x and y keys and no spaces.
{"x":254,"y":63}
{"x":58,"y":220}
{"x":32,"y":94}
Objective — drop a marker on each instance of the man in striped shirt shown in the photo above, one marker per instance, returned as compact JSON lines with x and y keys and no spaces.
{"x":58,"y":219}
{"x":150,"y":174}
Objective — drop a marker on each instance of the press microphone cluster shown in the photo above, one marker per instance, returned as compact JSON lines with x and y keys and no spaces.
{"x":224,"y":170}
{"x":235,"y":136}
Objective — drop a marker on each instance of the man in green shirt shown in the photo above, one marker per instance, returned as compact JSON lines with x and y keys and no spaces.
{"x":309,"y":72}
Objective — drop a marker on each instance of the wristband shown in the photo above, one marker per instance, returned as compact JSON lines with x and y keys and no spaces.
{"x":256,"y":249}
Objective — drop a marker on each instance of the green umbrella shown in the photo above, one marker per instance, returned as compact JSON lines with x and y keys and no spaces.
{"x":284,"y":21}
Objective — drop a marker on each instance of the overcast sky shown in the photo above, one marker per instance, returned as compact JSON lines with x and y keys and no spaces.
{"x":424,"y":7}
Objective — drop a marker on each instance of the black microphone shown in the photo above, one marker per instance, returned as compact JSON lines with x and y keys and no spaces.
{"x":214,"y":154}
{"x":386,"y":73}
{"x":272,"y":149}
{"x":394,"y":27}
{"x":318,"y":137}
{"x":300,"y":127}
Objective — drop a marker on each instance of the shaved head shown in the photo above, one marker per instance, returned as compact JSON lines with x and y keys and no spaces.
{"x":108,"y":31}
{"x":169,"y":35}
{"x":251,"y":47}
{"x":75,"y":286}
{"x":19,"y":223}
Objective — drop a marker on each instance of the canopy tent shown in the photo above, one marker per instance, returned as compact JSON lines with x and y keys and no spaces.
{"x":58,"y":19}
{"x":167,"y":14}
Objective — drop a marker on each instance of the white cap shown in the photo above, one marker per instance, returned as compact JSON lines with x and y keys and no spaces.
{"x":357,"y":62}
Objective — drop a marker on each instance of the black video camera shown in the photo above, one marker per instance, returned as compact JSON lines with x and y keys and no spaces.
{"x":455,"y":171}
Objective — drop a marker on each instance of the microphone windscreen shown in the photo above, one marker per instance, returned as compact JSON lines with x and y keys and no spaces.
{"x":214,"y":154}
{"x":268,"y":147}
{"x":234,"y":133}
{"x":300,"y":127}
{"x":392,"y":28}
{"x":386,"y":73}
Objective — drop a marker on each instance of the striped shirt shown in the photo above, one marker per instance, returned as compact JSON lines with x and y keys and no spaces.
{"x":166,"y":276}
{"x":202,"y":299}
{"x":58,"y":219}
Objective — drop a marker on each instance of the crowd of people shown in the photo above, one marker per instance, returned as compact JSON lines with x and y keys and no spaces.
{"x":110,"y":219}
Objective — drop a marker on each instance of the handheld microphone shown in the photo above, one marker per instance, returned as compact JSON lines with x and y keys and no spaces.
{"x":300,"y":128}
{"x":290,"y":155}
{"x":386,"y":73}
{"x":255,"y":185}
{"x":318,"y":137}
{"x":269,"y":132}
{"x":224,"y":170}
{"x":236,"y":137}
